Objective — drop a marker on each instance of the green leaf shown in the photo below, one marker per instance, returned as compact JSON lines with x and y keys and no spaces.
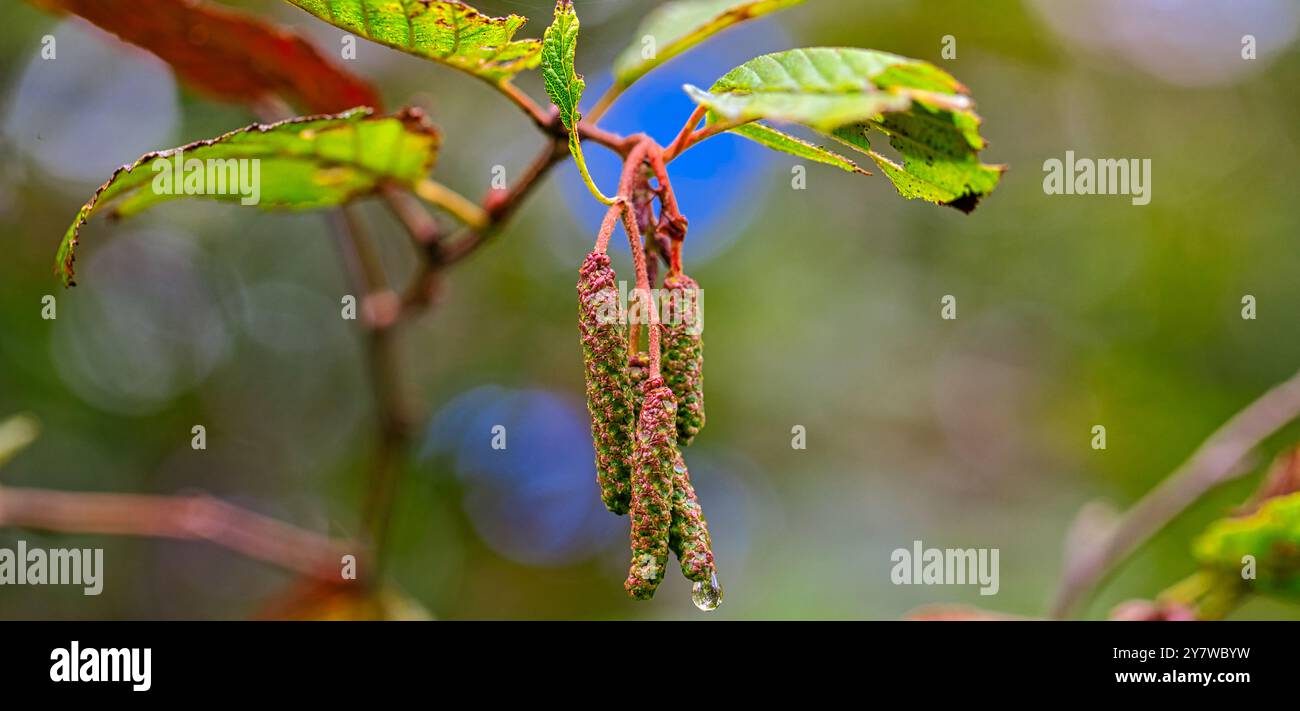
{"x":847,"y":93}
{"x":303,"y":163}
{"x":445,"y":31}
{"x":824,"y":112}
{"x":559,"y":47}
{"x":677,"y":26}
{"x":785,"y":143}
{"x":1271,"y":534}
{"x":564,"y":84}
{"x":938,"y":164}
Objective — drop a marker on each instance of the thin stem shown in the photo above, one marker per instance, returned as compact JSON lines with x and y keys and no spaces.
{"x":667,"y":198}
{"x":687,"y":129}
{"x":642,"y":283}
{"x":549,"y":121}
{"x":631,"y":164}
{"x":500,"y":205}
{"x":534,"y":111}
{"x":714,"y":129}
{"x":1217,"y":460}
{"x":369,"y":276}
{"x":607,"y":225}
{"x":575,"y":147}
{"x":420,"y":225}
{"x":392,"y":434}
{"x":460,"y":207}
{"x":708,"y":131}
{"x":619,"y":144}
{"x":651,"y":257}
{"x":192,"y":517}
{"x":638,"y":249}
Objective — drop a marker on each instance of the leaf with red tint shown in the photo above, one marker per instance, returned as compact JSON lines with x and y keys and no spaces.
{"x":225,"y":54}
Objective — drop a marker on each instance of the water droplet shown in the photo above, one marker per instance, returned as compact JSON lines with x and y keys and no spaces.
{"x":707,"y":596}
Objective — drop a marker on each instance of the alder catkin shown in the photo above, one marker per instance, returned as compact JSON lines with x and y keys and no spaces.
{"x":654,"y":452}
{"x":683,"y":354}
{"x":638,"y":369}
{"x":604,"y":354}
{"x":688,"y":536}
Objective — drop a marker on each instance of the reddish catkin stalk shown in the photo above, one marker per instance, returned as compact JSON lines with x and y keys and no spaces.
{"x":654,"y":450}
{"x":688,"y":535}
{"x":648,"y":310}
{"x":604,"y":352}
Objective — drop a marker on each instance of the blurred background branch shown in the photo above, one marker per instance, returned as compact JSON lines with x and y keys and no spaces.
{"x":190,"y":517}
{"x":1220,"y":458}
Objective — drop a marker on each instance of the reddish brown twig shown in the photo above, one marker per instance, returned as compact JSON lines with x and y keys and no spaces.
{"x":194,"y":518}
{"x":689,"y":136}
{"x":684,"y":136}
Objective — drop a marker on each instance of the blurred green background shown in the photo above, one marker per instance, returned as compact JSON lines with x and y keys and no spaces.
{"x":822,"y":310}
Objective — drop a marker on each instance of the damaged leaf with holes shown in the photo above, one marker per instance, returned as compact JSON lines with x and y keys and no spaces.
{"x":303,"y":163}
{"x":848,"y":94}
{"x":1270,"y":536}
{"x":444,"y":31}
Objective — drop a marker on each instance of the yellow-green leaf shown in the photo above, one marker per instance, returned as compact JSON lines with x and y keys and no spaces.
{"x":847,"y":93}
{"x":564,"y":84}
{"x":1271,"y":535}
{"x":446,"y":31}
{"x":302,"y":163}
{"x":675,"y":27}
{"x":559,"y":46}
{"x":785,"y":143}
{"x":822,"y":111}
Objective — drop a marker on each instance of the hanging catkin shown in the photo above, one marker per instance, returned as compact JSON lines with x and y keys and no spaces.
{"x":638,"y":369}
{"x":688,"y":536}
{"x":683,"y":353}
{"x":604,"y":353}
{"x":654,"y":453}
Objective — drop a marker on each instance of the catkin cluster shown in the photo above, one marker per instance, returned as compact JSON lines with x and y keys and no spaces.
{"x":639,"y":419}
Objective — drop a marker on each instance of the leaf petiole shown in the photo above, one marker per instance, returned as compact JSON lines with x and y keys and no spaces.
{"x":459,"y":206}
{"x":710,"y":130}
{"x":575,"y":147}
